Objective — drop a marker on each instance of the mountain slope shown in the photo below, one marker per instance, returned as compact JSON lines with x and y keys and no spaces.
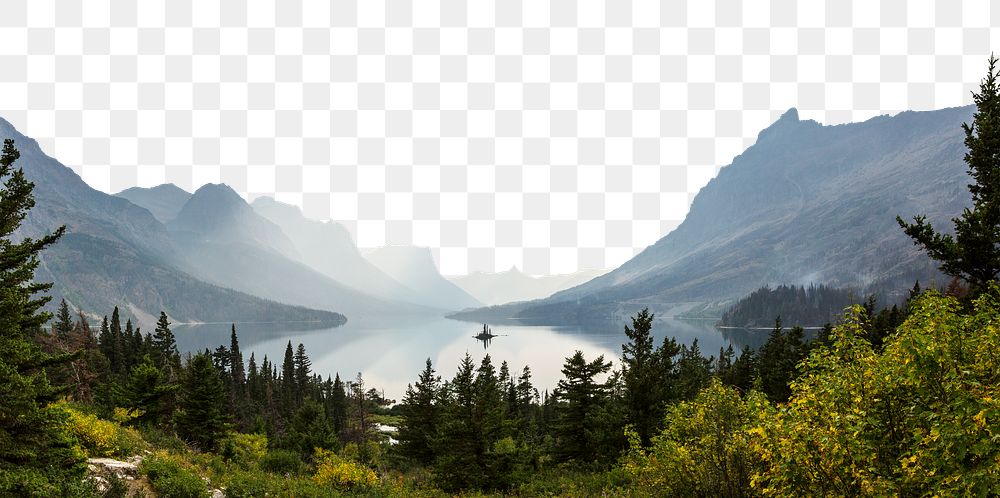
{"x":225,"y":242}
{"x":513,"y":285}
{"x":806,"y":203}
{"x":215,"y":213}
{"x":117,"y":254}
{"x":329,"y":249}
{"x":163,"y":201}
{"x":414,"y":267}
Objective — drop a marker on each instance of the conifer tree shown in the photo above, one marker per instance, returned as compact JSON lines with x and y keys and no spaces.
{"x":302,"y":374}
{"x":165,"y":346}
{"x":338,"y":404}
{"x":64,"y":320}
{"x":973,"y":253}
{"x":420,"y":412}
{"x":644,"y":377}
{"x":201,"y":417}
{"x":289,"y":391}
{"x":36,"y":456}
{"x":117,"y":349}
{"x":581,"y":396}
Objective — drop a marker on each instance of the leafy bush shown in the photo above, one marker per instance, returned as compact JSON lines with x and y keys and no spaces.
{"x":245,"y":450}
{"x":282,"y":462}
{"x":171,"y":477}
{"x":333,"y":470}
{"x":704,"y":449}
{"x":241,"y":484}
{"x":920,"y":418}
{"x":103,"y":438}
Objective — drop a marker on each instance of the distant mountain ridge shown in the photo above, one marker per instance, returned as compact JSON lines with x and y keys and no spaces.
{"x":513,"y":285}
{"x":806,"y":203}
{"x":117,"y":254}
{"x":164,"y":202}
{"x":414,"y":268}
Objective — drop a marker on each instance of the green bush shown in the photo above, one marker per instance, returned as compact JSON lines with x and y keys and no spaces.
{"x":170,"y":477}
{"x":282,"y":462}
{"x":244,"y":450}
{"x":102,"y":438}
{"x":242,"y":484}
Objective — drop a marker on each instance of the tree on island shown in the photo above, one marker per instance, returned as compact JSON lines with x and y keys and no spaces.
{"x":973,"y":253}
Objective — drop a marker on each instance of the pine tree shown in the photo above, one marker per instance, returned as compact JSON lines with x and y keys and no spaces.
{"x":165,"y":346}
{"x":201,"y":417}
{"x":580,"y":397}
{"x":973,"y":253}
{"x":148,"y":392}
{"x":36,"y":454}
{"x":288,"y":388}
{"x":643,"y":376}
{"x":338,"y":404}
{"x":64,"y":320}
{"x":117,"y":349}
{"x":459,"y":446}
{"x":420,"y":413}
{"x":302,"y":374}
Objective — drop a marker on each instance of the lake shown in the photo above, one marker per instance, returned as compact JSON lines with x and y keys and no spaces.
{"x":391,"y":355}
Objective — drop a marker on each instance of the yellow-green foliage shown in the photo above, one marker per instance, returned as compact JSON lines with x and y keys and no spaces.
{"x":102,"y":438}
{"x":704,"y":449}
{"x":172,"y":476}
{"x":920,"y":418}
{"x":244,"y":449}
{"x":333,"y":470}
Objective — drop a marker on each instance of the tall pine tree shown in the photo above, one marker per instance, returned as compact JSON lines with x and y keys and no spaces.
{"x":36,"y":456}
{"x":973,"y":253}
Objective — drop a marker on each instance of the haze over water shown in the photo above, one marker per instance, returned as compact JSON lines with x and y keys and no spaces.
{"x":390,"y":356}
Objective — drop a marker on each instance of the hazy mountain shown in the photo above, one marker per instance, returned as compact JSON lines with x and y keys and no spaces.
{"x":163,"y":201}
{"x":513,"y":285}
{"x":225,"y":242}
{"x":117,"y":254}
{"x":216,"y":214}
{"x":329,"y":249}
{"x":806,"y":203}
{"x":414,"y":267}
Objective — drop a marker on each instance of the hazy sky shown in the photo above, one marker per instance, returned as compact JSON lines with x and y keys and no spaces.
{"x":548,"y":135}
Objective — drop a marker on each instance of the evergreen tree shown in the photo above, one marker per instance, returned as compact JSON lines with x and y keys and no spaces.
{"x":289,"y":390}
{"x":580,"y":398}
{"x":338,"y":405}
{"x":643,"y":376}
{"x":36,"y":455}
{"x":302,"y":373}
{"x":237,"y":371}
{"x":201,"y":417}
{"x":420,"y":413}
{"x":165,"y":346}
{"x":148,"y":392}
{"x":459,"y":446}
{"x":117,"y":357}
{"x":64,"y":320}
{"x":973,"y":253}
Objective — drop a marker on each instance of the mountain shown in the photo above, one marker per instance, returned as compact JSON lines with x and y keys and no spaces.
{"x":117,"y":254}
{"x":414,"y":267}
{"x":806,"y":203}
{"x":224,"y":241}
{"x":216,"y":214}
{"x":513,"y":285}
{"x":163,"y":201}
{"x":328,"y":248}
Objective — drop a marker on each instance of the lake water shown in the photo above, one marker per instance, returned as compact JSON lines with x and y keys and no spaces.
{"x":391,"y":355}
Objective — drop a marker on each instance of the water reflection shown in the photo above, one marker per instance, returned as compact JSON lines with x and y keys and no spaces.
{"x":391,"y":355}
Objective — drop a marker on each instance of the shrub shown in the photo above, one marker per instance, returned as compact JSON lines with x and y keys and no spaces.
{"x":333,"y":470}
{"x":922,"y":417}
{"x":282,"y":462}
{"x":172,"y":477}
{"x":704,"y":449}
{"x":241,"y":484}
{"x":102,"y":438}
{"x":245,"y":450}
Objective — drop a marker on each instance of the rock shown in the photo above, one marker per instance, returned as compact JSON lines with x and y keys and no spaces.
{"x":217,"y":493}
{"x":111,"y":467}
